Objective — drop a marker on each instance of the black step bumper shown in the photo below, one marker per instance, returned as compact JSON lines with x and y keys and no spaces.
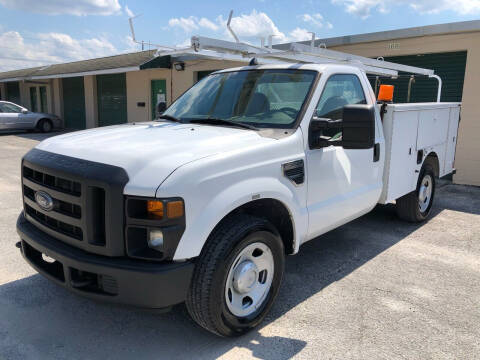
{"x":117,"y":280}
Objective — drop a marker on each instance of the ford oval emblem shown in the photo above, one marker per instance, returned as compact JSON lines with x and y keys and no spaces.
{"x":44,"y":200}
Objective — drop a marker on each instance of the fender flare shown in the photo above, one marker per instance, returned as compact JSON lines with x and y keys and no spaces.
{"x":232,"y":198}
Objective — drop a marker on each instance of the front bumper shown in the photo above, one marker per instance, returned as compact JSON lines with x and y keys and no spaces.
{"x":117,"y":280}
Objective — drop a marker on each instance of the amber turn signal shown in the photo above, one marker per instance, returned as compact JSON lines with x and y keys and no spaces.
{"x":385,"y":93}
{"x":155,"y":209}
{"x":174,"y":209}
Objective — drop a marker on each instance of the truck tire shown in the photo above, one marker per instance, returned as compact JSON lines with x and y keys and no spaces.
{"x":416,"y":206}
{"x":237,"y":276}
{"x":45,"y":126}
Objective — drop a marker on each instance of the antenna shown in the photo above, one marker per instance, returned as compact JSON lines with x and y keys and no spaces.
{"x":130,"y":21}
{"x":230,"y":28}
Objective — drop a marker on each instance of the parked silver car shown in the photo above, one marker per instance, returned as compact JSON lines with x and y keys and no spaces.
{"x":16,"y":117}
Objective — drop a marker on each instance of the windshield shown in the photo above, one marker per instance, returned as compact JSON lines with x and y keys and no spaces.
{"x":262,"y":98}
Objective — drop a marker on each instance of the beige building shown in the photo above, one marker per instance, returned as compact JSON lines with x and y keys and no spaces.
{"x":125,"y":88}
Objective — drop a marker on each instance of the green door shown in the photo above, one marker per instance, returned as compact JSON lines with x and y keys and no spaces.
{"x":43,"y":99}
{"x":13,"y":92}
{"x":449,"y":66}
{"x":112,"y":99}
{"x":159,"y":94}
{"x":74,"y":103}
{"x":33,"y":99}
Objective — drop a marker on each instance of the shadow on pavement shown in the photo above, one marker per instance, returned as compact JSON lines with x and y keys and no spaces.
{"x":40,"y":319}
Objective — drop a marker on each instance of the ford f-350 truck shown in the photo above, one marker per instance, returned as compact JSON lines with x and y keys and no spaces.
{"x":202,"y":205}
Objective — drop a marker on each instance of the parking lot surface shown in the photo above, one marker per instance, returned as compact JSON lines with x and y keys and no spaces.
{"x":375,"y":288}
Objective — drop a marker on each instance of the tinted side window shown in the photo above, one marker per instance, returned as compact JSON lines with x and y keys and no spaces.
{"x":340,"y":90}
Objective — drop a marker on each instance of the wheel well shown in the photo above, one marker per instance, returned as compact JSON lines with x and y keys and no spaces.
{"x":432,"y":159}
{"x":275,"y":212}
{"x":43,"y":119}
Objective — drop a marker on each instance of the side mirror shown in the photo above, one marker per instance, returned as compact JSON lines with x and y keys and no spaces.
{"x":161,"y":107}
{"x":24,"y":111}
{"x":357,"y":129}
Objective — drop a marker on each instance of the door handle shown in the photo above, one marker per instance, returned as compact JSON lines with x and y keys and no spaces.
{"x":376,"y":152}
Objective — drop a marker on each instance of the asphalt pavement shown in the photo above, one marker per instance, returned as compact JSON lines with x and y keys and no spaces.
{"x":377,"y":288}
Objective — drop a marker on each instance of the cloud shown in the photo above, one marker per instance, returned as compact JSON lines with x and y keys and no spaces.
{"x":129,"y":12}
{"x":316,"y":20}
{"x":250,"y":27}
{"x":254,"y":25}
{"x":187,"y":24}
{"x":192,"y":23}
{"x":299,"y":34}
{"x":59,"y":7}
{"x":47,"y":48}
{"x":363,"y":8}
{"x":204,"y":22}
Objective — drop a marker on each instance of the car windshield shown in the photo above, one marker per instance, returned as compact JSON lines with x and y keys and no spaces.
{"x":262,"y":98}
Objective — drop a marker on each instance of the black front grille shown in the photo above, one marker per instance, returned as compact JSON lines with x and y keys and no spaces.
{"x":54,"y":224}
{"x":87,"y":197}
{"x":52,"y":182}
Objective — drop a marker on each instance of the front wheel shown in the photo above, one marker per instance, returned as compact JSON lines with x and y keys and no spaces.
{"x":237,"y":276}
{"x":45,"y":125}
{"x":416,"y":206}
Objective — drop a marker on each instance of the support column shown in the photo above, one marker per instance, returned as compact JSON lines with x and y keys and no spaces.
{"x":91,"y":103}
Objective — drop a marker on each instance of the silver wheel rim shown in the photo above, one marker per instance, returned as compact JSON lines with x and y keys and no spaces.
{"x":425,"y":193}
{"x":249,"y":279}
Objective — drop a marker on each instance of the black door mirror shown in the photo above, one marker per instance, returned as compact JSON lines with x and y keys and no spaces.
{"x":321,"y":130}
{"x":358,"y":127}
{"x":161,"y":107}
{"x":355,"y":131}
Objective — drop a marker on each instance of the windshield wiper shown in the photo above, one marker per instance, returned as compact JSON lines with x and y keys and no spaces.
{"x":169,"y":117}
{"x":216,"y":121}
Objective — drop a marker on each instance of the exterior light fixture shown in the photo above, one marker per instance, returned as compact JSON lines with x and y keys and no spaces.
{"x":179,"y":66}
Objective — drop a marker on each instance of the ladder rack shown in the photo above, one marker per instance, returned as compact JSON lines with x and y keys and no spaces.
{"x":208,"y":48}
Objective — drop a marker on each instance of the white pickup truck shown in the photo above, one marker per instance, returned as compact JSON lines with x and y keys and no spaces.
{"x":203,"y":204}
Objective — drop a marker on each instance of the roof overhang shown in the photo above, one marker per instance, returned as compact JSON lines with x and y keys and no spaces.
{"x":86,"y":73}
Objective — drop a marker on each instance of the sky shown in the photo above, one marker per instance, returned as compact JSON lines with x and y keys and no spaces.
{"x":42,"y":32}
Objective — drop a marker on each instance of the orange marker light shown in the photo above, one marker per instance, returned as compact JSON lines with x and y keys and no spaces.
{"x":174,"y":209}
{"x":386,"y":93}
{"x":155,"y":209}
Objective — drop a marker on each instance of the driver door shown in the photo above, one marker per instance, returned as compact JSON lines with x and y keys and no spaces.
{"x":342,"y":183}
{"x":7,"y":116}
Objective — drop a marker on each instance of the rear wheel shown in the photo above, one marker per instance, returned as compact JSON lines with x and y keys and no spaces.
{"x":416,"y":206}
{"x":237,"y":276}
{"x":45,"y":125}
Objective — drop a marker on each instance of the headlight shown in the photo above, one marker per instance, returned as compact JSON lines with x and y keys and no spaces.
{"x":154,"y":227}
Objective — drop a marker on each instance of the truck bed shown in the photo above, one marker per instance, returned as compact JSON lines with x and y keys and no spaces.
{"x":412,"y":131}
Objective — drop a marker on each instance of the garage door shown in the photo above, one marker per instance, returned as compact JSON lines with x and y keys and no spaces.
{"x":112,"y":99}
{"x":74,"y":102}
{"x":449,"y":66}
{"x":13,"y":92}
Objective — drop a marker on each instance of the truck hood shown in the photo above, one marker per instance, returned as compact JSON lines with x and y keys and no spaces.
{"x":150,"y":152}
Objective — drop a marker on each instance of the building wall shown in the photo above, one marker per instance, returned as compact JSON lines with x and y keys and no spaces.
{"x":3,"y":91}
{"x":57,"y":98}
{"x":467,"y":160}
{"x":139,"y":85}
{"x":139,"y":90}
{"x":183,"y":80}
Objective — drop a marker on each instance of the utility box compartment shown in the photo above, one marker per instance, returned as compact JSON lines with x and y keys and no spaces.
{"x":412,"y":131}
